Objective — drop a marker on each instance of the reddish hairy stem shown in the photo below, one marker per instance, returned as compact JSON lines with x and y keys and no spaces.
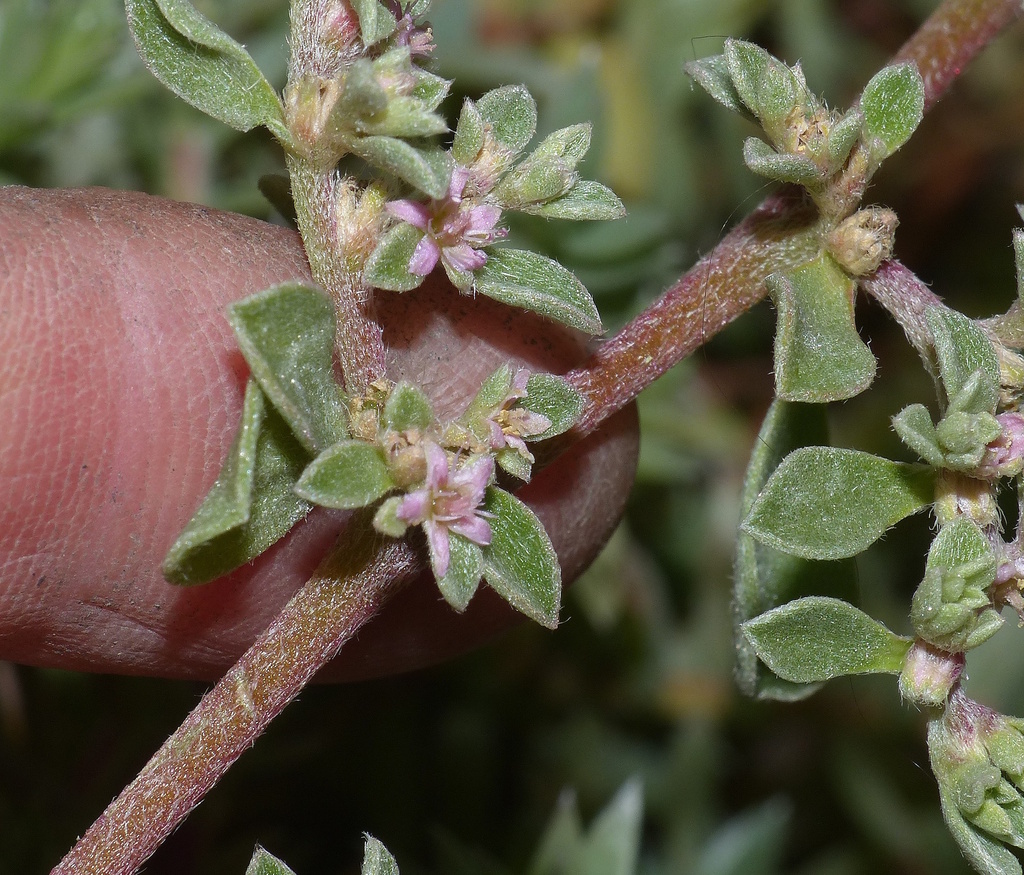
{"x":348,"y":589}
{"x":355,"y":580}
{"x":898,"y":289}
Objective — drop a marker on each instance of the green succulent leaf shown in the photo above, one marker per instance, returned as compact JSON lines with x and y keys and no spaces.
{"x":554,"y":398}
{"x":493,"y":391}
{"x":535,"y":181}
{"x":830,"y":503}
{"x":377,"y":859}
{"x":713,"y":75}
{"x":985,"y":854}
{"x":511,"y":461}
{"x":286,"y":334}
{"x":520,"y":564}
{"x":533,"y":282}
{"x":426,"y":168}
{"x":962,"y":348}
{"x":842,"y":137}
{"x":512,"y":114}
{"x":386,"y":520}
{"x":915,"y":427}
{"x":252,"y":503}
{"x":893,"y":106}
{"x":404,"y":117}
{"x":375,"y":21}
{"x":264,"y":863}
{"x":388,"y":265}
{"x":407,"y":407}
{"x":819,"y":356}
{"x":763,"y":160}
{"x":430,"y":89}
{"x":818,"y":638}
{"x":586,"y":201}
{"x":347,"y":475}
{"x":766,"y":578}
{"x":469,"y":134}
{"x":465,"y":568}
{"x":205,"y":67}
{"x":766,"y":86}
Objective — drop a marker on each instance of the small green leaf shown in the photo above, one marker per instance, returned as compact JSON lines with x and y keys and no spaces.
{"x":524,"y":279}
{"x":204,"y":66}
{"x":819,"y":356}
{"x":250,"y":506}
{"x":386,"y":520}
{"x":465,"y":568}
{"x":430,"y":89}
{"x":286,"y":334}
{"x":842,"y":137}
{"x":407,"y":407}
{"x":511,"y":461}
{"x":893,"y":106}
{"x":712,"y":74}
{"x":586,"y":201}
{"x":611,"y":845}
{"x":404,"y":117}
{"x":493,"y":391}
{"x":263,"y":863}
{"x":570,"y":145}
{"x":534,"y":181}
{"x":388,"y":265}
{"x":766,"y":578}
{"x":818,"y":638}
{"x":829,"y":503}
{"x":520,"y":564}
{"x":554,"y":398}
{"x":377,"y":859}
{"x":375,"y":21}
{"x":767,"y":86}
{"x":426,"y":168}
{"x":469,"y":134}
{"x":562,"y":839}
{"x":962,"y":348}
{"x":915,"y":427}
{"x":512,"y":114}
{"x":984,"y":853}
{"x":763,"y":160}
{"x":348,"y":475}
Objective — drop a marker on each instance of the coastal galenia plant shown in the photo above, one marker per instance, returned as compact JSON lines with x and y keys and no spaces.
{"x":795,"y":623}
{"x":358,"y":87}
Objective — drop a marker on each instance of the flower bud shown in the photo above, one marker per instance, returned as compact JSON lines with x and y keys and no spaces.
{"x":929,"y":674}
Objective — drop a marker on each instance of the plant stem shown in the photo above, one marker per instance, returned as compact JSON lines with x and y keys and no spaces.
{"x":898,"y":289}
{"x":348,"y":589}
{"x":320,"y":196}
{"x":779,"y":235}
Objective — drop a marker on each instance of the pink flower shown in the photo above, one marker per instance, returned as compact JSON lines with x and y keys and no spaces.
{"x":449,"y":501}
{"x":509,"y":424}
{"x":1004,"y":457}
{"x":454,"y":230}
{"x":417,"y":37}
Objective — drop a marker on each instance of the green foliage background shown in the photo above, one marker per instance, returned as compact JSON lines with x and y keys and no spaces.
{"x":456,"y":769}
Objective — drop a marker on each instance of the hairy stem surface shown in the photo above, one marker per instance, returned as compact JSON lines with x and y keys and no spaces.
{"x":347,"y":591}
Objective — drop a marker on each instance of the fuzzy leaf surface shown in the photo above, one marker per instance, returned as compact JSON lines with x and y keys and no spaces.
{"x":407,"y":407}
{"x":345,"y":476}
{"x":520,"y":564}
{"x":763,"y":160}
{"x":426,"y":168}
{"x":963,"y":349}
{"x":252,"y":503}
{"x":915,"y":427}
{"x":818,"y":638}
{"x":263,"y":863}
{"x":533,"y":282}
{"x":465,"y":568}
{"x":388,"y":265}
{"x":469,"y":134}
{"x":375,"y":22}
{"x":766,"y":578}
{"x":819,"y":356}
{"x":377,"y":860}
{"x":554,"y":398}
{"x":512,"y":114}
{"x":765,"y":85}
{"x":586,"y":201}
{"x":203,"y":65}
{"x":286,"y":334}
{"x":713,"y":75}
{"x":893,"y":106}
{"x":831,"y":503}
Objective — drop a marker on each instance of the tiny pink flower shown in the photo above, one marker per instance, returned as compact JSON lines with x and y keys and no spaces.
{"x":417,"y":37}
{"x":454,"y":230}
{"x":449,"y":501}
{"x":508,"y":424}
{"x":1004,"y":457}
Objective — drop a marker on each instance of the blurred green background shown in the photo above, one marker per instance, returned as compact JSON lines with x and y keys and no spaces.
{"x":457,"y":769}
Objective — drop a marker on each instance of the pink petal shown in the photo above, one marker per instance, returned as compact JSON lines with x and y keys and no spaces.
{"x":413,"y":212}
{"x":460,"y":176}
{"x":519,"y":381}
{"x":473,"y":528}
{"x":414,"y":507}
{"x":437,"y":543}
{"x":497,"y":435}
{"x":424,"y":256}
{"x":464,"y":257}
{"x":437,"y":466}
{"x":482,"y":220}
{"x":472,"y":478}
